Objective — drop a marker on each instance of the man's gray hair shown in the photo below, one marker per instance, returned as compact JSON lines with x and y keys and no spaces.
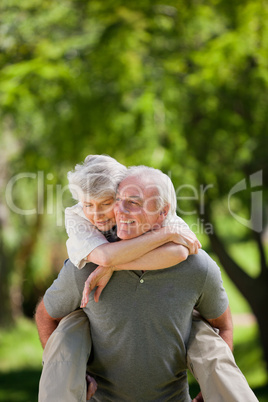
{"x":97,"y":177}
{"x":163,"y":183}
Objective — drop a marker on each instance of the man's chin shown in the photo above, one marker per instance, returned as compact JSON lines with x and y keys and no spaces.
{"x":127,"y":235}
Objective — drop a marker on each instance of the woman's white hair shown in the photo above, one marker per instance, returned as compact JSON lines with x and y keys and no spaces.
{"x":163,"y":183}
{"x":97,"y":177}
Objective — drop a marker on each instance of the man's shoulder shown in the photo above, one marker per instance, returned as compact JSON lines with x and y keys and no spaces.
{"x":70,"y":266}
{"x":70,"y":269}
{"x":201,"y":258}
{"x":200,"y":262}
{"x":199,"y":272}
{"x":64,"y":295}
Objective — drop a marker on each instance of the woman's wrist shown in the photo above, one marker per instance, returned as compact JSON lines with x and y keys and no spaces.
{"x":166,"y":234}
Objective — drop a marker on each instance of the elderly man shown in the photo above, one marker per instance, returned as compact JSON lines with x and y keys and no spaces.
{"x":142,"y":323}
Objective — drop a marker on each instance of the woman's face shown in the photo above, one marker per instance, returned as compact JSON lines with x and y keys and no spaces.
{"x":100,"y":212}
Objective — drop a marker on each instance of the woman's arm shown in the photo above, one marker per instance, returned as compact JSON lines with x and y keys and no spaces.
{"x":126,"y":251}
{"x":83,"y":236}
{"x":162,"y":257}
{"x":87,"y":243}
{"x":45,"y":326}
{"x":166,"y":256}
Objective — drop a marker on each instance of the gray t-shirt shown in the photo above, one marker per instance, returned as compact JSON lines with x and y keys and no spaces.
{"x":141,"y":325}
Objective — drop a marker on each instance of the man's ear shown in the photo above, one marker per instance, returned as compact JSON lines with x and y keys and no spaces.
{"x":164,"y":212}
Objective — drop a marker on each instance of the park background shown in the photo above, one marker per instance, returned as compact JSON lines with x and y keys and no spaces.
{"x":178,"y":85}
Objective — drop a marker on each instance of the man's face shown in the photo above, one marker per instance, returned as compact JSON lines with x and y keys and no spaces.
{"x":136,"y":209}
{"x":100,"y":212}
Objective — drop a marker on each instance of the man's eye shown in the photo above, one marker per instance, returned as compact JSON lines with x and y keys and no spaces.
{"x":133,"y":203}
{"x":108,"y":203}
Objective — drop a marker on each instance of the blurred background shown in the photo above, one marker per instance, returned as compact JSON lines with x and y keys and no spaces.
{"x":178,"y":85}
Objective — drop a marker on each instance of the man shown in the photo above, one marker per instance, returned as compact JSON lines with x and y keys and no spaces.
{"x":141,"y":325}
{"x":90,"y":223}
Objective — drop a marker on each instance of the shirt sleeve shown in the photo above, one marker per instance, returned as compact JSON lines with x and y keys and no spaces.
{"x":65,"y":293}
{"x":213,"y":300}
{"x":83,"y":236}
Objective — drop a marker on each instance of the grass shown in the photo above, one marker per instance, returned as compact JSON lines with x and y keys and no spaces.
{"x":20,"y":347}
{"x":20,"y":363}
{"x":19,"y":385}
{"x":21,"y":357}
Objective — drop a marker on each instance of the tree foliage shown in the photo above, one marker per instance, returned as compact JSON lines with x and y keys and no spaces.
{"x":178,"y":85}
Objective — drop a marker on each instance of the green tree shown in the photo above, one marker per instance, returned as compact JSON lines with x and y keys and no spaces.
{"x":180,"y":85}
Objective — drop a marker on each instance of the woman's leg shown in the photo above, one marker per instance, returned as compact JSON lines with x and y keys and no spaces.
{"x":212,"y":363}
{"x":65,"y":359}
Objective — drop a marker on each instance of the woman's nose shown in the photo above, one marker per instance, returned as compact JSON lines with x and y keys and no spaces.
{"x":97,"y":211}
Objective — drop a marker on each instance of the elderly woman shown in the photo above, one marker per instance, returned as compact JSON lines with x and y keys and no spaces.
{"x":90,"y":225}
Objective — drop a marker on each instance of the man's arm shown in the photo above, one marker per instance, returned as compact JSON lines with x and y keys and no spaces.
{"x":45,"y":326}
{"x":45,"y":323}
{"x":225,"y":325}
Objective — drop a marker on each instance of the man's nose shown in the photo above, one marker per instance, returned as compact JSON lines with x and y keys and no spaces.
{"x":122,"y":207}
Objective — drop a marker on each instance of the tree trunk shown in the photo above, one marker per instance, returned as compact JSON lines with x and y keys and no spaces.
{"x":26,"y":293}
{"x":261,"y":314}
{"x":6,"y":262}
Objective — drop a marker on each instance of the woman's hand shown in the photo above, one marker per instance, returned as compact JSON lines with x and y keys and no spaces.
{"x":183,"y":235}
{"x":98,"y":278}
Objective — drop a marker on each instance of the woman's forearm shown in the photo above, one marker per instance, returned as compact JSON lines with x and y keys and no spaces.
{"x":128,"y":250}
{"x":165,"y":256}
{"x":125,"y":251}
